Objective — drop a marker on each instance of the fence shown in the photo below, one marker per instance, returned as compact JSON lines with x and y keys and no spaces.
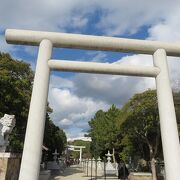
{"x":96,"y":169}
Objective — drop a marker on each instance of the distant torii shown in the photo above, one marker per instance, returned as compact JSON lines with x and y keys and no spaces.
{"x":77,"y":148}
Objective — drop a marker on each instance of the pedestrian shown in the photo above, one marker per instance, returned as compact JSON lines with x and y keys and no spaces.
{"x":123,"y":172}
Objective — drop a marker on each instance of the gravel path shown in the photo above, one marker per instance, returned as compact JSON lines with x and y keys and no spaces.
{"x":72,"y":173}
{"x":76,"y":173}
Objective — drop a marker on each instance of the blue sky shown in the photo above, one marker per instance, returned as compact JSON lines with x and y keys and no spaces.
{"x":76,"y":97}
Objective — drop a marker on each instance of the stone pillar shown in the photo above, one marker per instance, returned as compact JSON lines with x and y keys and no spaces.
{"x":31,"y":158}
{"x":9,"y":166}
{"x":168,"y":124}
{"x":80,"y":155}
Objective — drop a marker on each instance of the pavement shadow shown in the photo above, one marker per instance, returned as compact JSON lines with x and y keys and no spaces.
{"x":72,"y":170}
{"x":100,"y":177}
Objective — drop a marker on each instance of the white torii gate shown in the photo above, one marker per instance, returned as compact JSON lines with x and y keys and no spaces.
{"x":77,"y":148}
{"x":47,"y":40}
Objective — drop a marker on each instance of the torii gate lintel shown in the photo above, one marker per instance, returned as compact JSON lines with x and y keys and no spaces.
{"x":77,"y":148}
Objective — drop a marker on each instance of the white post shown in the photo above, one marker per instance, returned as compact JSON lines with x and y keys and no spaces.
{"x":168,"y":124}
{"x":80,"y":152}
{"x":31,"y":158}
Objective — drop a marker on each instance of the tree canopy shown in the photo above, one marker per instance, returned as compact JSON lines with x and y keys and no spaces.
{"x":133,"y":131}
{"x":104,"y":131}
{"x":16,"y":80}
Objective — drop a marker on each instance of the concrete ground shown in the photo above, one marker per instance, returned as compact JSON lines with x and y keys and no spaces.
{"x":76,"y":173}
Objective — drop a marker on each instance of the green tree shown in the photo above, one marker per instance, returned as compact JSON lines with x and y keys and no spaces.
{"x":142,"y":123}
{"x":16,"y":84}
{"x":16,"y":79}
{"x":134,"y":130}
{"x":104,"y":131}
{"x":141,"y":126}
{"x":54,"y":138}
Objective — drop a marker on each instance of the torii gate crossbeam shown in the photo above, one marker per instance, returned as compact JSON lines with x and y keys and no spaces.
{"x":77,"y":148}
{"x":47,"y":40}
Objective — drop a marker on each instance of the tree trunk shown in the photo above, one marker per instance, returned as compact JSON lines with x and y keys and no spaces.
{"x":153,"y":164}
{"x":153,"y":169}
{"x":113,"y":156}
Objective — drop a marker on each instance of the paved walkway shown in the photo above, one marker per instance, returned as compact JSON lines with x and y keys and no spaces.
{"x":71,"y":173}
{"x":76,"y":173}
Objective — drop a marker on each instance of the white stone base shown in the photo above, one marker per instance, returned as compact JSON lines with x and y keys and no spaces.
{"x":44,"y":175}
{"x":9,"y":166}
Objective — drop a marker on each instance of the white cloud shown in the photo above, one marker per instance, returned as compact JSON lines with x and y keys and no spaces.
{"x":43,"y":14}
{"x":114,"y":89}
{"x":117,"y":17}
{"x":167,"y":30}
{"x":65,"y":123}
{"x":136,"y":60}
{"x":72,"y":112}
{"x":79,"y":21}
{"x":75,"y":135}
{"x":80,"y":138}
{"x":58,"y":82}
{"x":126,"y":16}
